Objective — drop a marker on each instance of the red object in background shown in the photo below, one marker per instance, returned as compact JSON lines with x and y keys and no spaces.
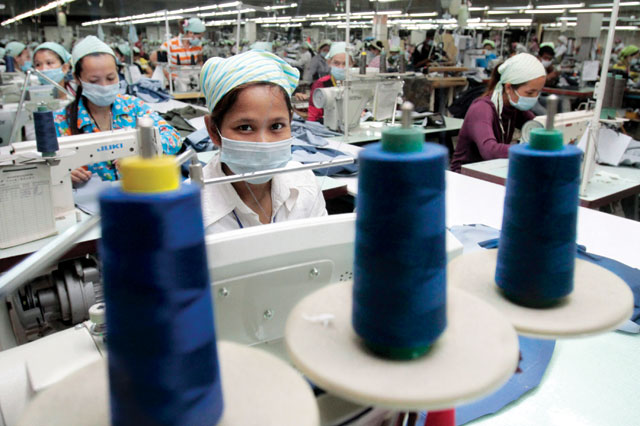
{"x":441,"y":418}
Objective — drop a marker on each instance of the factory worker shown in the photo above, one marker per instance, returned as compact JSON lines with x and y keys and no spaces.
{"x":21,"y":55}
{"x":395,"y":54}
{"x":248,"y":96}
{"x":123,"y":53}
{"x":303,"y":61}
{"x":488,"y":46}
{"x":376,"y":47}
{"x":98,"y":107}
{"x":491,"y":119}
{"x":319,"y":66}
{"x":546,"y":55}
{"x":627,"y":57}
{"x":52,"y":60}
{"x":186,"y":49}
{"x":337,"y":60}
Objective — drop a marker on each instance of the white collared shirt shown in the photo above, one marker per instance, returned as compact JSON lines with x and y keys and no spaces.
{"x":295,"y":195}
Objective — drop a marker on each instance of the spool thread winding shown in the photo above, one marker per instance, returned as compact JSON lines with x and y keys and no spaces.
{"x":399,"y":299}
{"x":537,"y":250}
{"x":163,"y":364}
{"x":46,"y":137}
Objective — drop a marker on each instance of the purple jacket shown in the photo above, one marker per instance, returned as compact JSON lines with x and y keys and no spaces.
{"x":481,"y":137}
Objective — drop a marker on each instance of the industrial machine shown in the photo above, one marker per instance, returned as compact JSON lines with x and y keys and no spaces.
{"x":259,"y":274}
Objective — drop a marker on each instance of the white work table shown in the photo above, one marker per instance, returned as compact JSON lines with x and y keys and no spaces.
{"x":609,"y":184}
{"x":371,"y":131}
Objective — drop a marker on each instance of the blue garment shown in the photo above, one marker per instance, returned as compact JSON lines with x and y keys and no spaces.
{"x":149,"y":90}
{"x":306,"y":153}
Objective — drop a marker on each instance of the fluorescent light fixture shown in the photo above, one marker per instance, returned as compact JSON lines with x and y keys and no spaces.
{"x":429,"y":14}
{"x":592,"y":10}
{"x":478,"y":9}
{"x":567,"y":18}
{"x":622,"y":4}
{"x":38,"y":11}
{"x":513,"y":7}
{"x":225,"y":13}
{"x":560,"y":6}
{"x":282,"y":6}
{"x":544,"y":11}
{"x":502,"y":12}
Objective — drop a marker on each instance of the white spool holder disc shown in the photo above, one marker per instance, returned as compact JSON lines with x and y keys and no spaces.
{"x":600,"y":300}
{"x":476,"y":354}
{"x":257,"y":387}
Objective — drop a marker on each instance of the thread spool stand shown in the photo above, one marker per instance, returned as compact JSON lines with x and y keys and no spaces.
{"x":599,"y":300}
{"x":477,"y":353}
{"x":256,"y":385}
{"x":475,"y":349}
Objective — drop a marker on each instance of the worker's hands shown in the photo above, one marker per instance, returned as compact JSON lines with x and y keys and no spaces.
{"x":301,"y":96}
{"x":80,"y":175}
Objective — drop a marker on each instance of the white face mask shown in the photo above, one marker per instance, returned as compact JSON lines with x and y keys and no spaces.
{"x":545,"y":63}
{"x":100,"y":95}
{"x":246,"y":157}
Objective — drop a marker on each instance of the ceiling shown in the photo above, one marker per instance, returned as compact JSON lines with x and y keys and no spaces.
{"x":87,"y":10}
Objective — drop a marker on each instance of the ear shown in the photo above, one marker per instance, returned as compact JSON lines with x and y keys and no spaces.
{"x":211,"y":129}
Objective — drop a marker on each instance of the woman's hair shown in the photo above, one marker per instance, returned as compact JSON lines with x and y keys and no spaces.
{"x":228,"y":100}
{"x":493,"y":82}
{"x":72,"y":108}
{"x":50,"y":51}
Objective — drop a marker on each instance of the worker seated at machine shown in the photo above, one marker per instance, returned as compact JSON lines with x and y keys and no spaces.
{"x":491,"y":120}
{"x":248,"y":96}
{"x":375,"y":48}
{"x":336,"y":58}
{"x":98,"y":107}
{"x":318,"y":67}
{"x":489,"y":46}
{"x":546,"y":55}
{"x":53,"y":60}
{"x":20,"y":54}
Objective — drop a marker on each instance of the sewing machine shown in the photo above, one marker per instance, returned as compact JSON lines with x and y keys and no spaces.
{"x":259,"y":274}
{"x":186,"y":78}
{"x":377,"y":93}
{"x":77,"y":151}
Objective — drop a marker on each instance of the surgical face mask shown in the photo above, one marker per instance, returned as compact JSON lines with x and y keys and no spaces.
{"x":324,"y":54}
{"x":247,"y":157}
{"x":195,"y":41}
{"x":524,"y":103}
{"x":338,"y":73}
{"x":100,"y":95}
{"x":26,"y":66}
{"x":55,"y":74}
{"x":546,"y":63}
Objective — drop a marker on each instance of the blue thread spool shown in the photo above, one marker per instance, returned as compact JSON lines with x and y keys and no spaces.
{"x":46,"y":138}
{"x":163,"y":365}
{"x":399,"y":293}
{"x":537,"y":250}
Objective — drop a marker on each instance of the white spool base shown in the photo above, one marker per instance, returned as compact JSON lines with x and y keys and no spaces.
{"x":477,"y":353}
{"x":257,"y":388}
{"x":600,"y":300}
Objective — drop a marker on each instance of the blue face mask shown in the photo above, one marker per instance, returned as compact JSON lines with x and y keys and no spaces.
{"x":195,"y":41}
{"x":100,"y":95}
{"x":246,"y":157}
{"x":524,"y":103}
{"x":55,"y":74}
{"x":26,"y":66}
{"x":338,"y":73}
{"x":324,"y":54}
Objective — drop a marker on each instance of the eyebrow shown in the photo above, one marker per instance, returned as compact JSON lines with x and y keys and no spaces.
{"x":251,"y":120}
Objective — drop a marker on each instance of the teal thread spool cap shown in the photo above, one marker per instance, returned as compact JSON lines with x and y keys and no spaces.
{"x":403,"y":139}
{"x":548,"y":139}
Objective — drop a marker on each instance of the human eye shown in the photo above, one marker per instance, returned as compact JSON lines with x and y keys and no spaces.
{"x":278,"y":126}
{"x":244,"y":128}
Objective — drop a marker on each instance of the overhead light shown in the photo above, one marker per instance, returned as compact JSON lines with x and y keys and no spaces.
{"x":560,"y":6}
{"x":502,"y":12}
{"x":513,"y":7}
{"x":282,"y":6}
{"x":478,"y":9}
{"x":622,"y":4}
{"x":592,"y":10}
{"x":544,"y":11}
{"x":423,"y":14}
{"x":567,"y":18}
{"x":38,"y":11}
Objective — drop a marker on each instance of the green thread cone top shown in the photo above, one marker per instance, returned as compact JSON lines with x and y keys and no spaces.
{"x":405,"y":138}
{"x":546,"y":140}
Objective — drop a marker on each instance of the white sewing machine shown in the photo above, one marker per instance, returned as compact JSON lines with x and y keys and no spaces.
{"x":379,"y":95}
{"x":77,"y":151}
{"x":259,"y":274}
{"x":572,"y":125}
